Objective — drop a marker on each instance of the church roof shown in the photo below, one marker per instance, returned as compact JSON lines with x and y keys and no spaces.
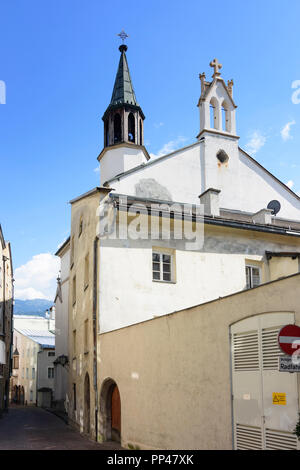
{"x":123,"y":91}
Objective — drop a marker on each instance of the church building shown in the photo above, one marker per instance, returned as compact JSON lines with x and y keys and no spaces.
{"x":173,"y":263}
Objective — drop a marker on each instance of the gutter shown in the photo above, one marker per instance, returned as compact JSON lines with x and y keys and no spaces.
{"x":218,"y":221}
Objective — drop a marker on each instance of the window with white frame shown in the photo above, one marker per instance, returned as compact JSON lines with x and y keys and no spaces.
{"x":162,"y":264}
{"x":253,"y":276}
{"x":50,"y":372}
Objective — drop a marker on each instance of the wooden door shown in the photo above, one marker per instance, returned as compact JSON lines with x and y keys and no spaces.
{"x":115,"y":414}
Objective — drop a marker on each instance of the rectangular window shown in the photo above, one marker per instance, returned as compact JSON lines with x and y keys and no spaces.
{"x":74,"y":290}
{"x":27,"y":373}
{"x":74,"y":343}
{"x":74,"y":397}
{"x":50,"y":372}
{"x":72,"y":252}
{"x":33,"y":373}
{"x":253,"y":277}
{"x":51,"y":353}
{"x":162,"y":267}
{"x":16,"y":362}
{"x":86,"y":331}
{"x":31,"y":395}
{"x":86,"y":272}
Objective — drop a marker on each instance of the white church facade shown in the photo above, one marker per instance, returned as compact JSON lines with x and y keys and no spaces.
{"x":125,"y":283}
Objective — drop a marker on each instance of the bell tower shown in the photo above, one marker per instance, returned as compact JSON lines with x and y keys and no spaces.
{"x":123,"y":120}
{"x":216,"y":105}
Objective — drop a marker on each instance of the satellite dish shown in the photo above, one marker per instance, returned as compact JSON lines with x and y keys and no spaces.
{"x":274,"y":206}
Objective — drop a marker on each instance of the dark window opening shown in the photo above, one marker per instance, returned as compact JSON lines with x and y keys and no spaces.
{"x":141,"y":133}
{"x":106,"y":134}
{"x":131,"y":128}
{"x":74,"y":397}
{"x":117,"y":128}
{"x":222,"y":156}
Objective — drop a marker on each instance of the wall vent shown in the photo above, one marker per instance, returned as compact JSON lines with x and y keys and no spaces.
{"x":248,"y":437}
{"x":245,"y":351}
{"x":278,"y":440}
{"x":270,"y":348}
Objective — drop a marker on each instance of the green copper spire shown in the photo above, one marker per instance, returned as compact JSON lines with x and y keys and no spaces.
{"x":123,"y":119}
{"x":123,"y":92}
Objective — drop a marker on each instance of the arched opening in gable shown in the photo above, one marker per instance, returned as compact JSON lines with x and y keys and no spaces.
{"x":214,"y":113}
{"x":226,"y":121}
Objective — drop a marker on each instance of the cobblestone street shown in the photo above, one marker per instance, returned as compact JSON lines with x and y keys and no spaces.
{"x":33,"y":428}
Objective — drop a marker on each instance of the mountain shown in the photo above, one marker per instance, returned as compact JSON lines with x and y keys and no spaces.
{"x":31,"y":307}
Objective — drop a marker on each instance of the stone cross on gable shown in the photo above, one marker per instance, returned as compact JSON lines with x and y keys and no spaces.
{"x":217,"y":66}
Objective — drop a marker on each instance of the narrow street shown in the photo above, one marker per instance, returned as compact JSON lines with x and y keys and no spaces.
{"x":33,"y":428}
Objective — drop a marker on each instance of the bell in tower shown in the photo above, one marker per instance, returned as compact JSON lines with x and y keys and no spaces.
{"x":123,"y":119}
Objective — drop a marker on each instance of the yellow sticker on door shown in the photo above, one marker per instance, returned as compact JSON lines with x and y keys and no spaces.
{"x":279,"y":398}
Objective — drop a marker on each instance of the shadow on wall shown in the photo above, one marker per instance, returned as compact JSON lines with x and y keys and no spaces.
{"x":150,"y":188}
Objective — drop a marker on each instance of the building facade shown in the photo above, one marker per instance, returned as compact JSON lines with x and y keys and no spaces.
{"x":33,"y":367}
{"x":6,"y":313}
{"x":161,"y":236}
{"x":61,"y":363}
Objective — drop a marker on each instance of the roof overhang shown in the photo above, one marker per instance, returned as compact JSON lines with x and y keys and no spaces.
{"x":124,"y":144}
{"x":124,"y":202}
{"x":93,"y":191}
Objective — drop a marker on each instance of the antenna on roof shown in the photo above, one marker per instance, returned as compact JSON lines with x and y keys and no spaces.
{"x":275,"y":206}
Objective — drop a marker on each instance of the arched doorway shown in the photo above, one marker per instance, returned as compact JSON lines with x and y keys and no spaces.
{"x":87,"y":407}
{"x":110,"y":411}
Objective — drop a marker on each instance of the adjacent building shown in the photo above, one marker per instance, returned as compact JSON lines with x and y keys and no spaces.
{"x":171,"y":266}
{"x":6,"y":312}
{"x":32,"y":381}
{"x":61,"y":363}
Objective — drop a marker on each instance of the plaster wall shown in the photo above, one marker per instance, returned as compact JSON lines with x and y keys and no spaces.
{"x":174,"y":372}
{"x":128,"y":295}
{"x":188,"y":172}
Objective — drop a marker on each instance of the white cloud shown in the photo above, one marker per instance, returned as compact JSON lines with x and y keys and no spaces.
{"x":256,"y":142}
{"x":97,"y":169}
{"x":285,"y":131}
{"x":37,"y":278}
{"x":158,"y":124}
{"x":290,"y":184}
{"x":169,"y":147}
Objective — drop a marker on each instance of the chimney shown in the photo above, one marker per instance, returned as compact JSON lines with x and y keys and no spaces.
{"x":210,"y":200}
{"x":264,"y":216}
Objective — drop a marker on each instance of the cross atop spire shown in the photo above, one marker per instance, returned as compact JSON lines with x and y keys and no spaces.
{"x":123,"y":35}
{"x":217,"y":66}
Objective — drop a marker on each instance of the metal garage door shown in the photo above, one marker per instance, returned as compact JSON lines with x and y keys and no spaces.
{"x":265,"y":401}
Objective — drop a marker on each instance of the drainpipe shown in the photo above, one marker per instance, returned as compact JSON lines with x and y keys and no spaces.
{"x":95,"y":300}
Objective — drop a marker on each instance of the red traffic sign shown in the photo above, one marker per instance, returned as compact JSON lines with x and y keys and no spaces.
{"x":289,"y":339}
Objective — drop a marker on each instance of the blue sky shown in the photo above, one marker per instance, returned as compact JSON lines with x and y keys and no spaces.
{"x":58,"y":60}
